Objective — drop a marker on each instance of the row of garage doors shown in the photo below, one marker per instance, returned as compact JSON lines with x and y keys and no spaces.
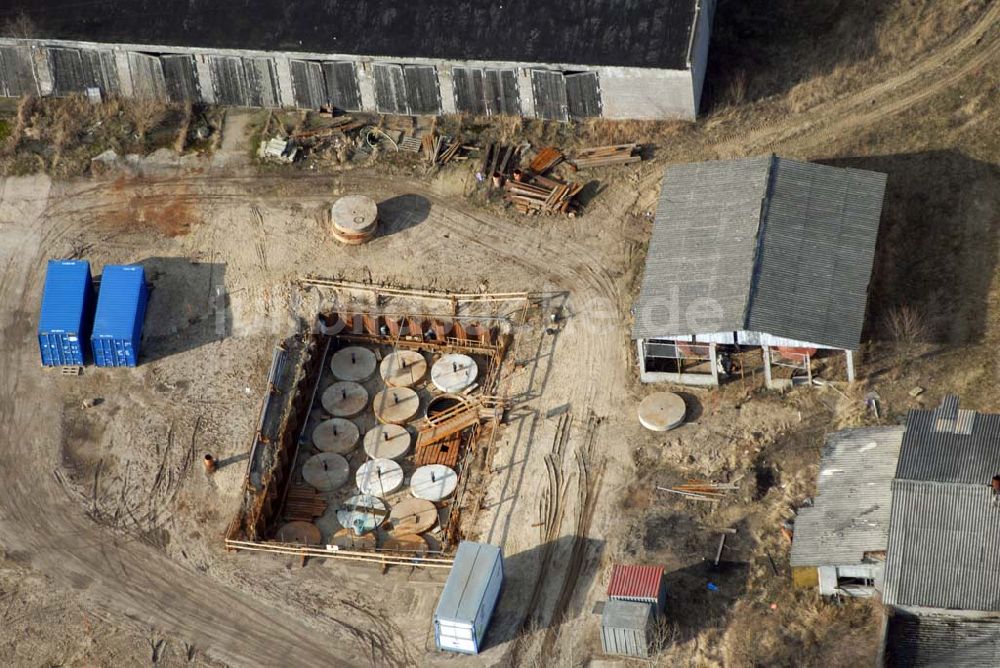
{"x":253,"y":82}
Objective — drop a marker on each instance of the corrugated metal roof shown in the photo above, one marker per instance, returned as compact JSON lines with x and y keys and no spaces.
{"x":636,"y":33}
{"x":950,"y":445}
{"x":937,"y":640}
{"x":635,"y":581}
{"x":120,"y":302}
{"x":467,"y":582}
{"x":626,"y":615}
{"x":64,"y":296}
{"x":762,"y":244}
{"x":702,"y":249}
{"x":944,"y":533}
{"x":944,"y":546}
{"x":815,"y":260}
{"x":851,"y":511}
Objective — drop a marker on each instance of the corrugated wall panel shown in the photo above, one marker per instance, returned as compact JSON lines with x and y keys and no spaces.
{"x":308,"y":84}
{"x":229,"y":81}
{"x":262,"y":82}
{"x":549,"y":89}
{"x":342,"y":85}
{"x":181,"y":78}
{"x":583,"y":96}
{"x":390,"y":89}
{"x":147,"y":76}
{"x":422,"y":93}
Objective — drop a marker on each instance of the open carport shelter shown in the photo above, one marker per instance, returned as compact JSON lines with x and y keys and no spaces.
{"x":763,"y":252}
{"x":643,"y":59}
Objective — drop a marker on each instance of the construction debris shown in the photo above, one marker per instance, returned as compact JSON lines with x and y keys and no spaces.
{"x":278,"y":150}
{"x":602,"y":156}
{"x":542,"y":196}
{"x":546,"y":159}
{"x":701,"y":490}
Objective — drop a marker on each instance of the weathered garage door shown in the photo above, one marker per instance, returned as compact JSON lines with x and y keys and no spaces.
{"x":486,"y":92}
{"x":147,"y":76}
{"x":181,"y":78}
{"x":390,"y":89}
{"x":262,"y":82}
{"x":75,"y":70}
{"x":17,"y":76}
{"x":342,"y":85}
{"x":229,"y":81}
{"x":583,"y":96}
{"x":549,"y":89}
{"x":412,"y":89}
{"x":307,"y":84}
{"x":422,"y":94}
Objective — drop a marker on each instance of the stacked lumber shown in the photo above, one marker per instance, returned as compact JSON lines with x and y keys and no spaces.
{"x":542,"y":196}
{"x":546,"y":159}
{"x":445,"y":150}
{"x":303,"y":503}
{"x":443,"y":452}
{"x":602,"y":156}
{"x":701,"y":490}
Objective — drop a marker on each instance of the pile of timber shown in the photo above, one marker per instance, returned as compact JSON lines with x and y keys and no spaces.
{"x":620,"y":154}
{"x":337,"y":125}
{"x":542,"y":195}
{"x":441,"y":150}
{"x":701,"y":490}
{"x":546,"y":159}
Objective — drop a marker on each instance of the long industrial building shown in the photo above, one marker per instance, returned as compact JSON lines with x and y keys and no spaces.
{"x":625,"y":59}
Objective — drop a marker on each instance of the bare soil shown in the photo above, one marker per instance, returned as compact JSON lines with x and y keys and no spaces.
{"x":112,"y":533}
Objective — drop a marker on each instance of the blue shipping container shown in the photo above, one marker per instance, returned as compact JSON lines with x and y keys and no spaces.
{"x":466,"y":605}
{"x":67,"y":313}
{"x":121,"y":308}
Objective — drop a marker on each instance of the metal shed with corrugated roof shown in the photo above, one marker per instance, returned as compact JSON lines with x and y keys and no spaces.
{"x":639,"y":583}
{"x":762,"y":252}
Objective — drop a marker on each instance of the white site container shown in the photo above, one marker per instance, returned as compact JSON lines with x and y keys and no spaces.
{"x":469,"y":597}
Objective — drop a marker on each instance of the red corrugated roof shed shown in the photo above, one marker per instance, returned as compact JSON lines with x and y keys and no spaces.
{"x":635,"y":582}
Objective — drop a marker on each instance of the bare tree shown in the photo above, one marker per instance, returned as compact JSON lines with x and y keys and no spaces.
{"x":20,"y":27}
{"x":907,"y":329}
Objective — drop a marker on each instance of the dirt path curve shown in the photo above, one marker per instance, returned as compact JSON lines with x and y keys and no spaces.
{"x":936,"y":72}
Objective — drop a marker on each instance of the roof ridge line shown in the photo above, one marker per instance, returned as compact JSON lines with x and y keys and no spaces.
{"x":765,"y":203}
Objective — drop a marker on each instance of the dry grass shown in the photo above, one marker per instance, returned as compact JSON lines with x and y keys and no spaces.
{"x":145,"y":113}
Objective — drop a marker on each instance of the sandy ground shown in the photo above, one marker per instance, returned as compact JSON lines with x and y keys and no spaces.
{"x":111,"y":533}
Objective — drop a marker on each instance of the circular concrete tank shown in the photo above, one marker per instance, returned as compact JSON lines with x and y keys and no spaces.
{"x":411,"y":516}
{"x":336,"y":435}
{"x":662,"y":411}
{"x":326,"y":471}
{"x":354,"y":219}
{"x":396,"y":405}
{"x":387,"y":441}
{"x":344,"y":399}
{"x":353,"y":363}
{"x":434,"y":482}
{"x":454,"y":372}
{"x":379,"y":477}
{"x":403,"y":368}
{"x":361,"y":513}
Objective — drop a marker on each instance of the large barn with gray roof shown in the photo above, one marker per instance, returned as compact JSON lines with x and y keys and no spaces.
{"x":765,"y":254}
{"x":641,"y":59}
